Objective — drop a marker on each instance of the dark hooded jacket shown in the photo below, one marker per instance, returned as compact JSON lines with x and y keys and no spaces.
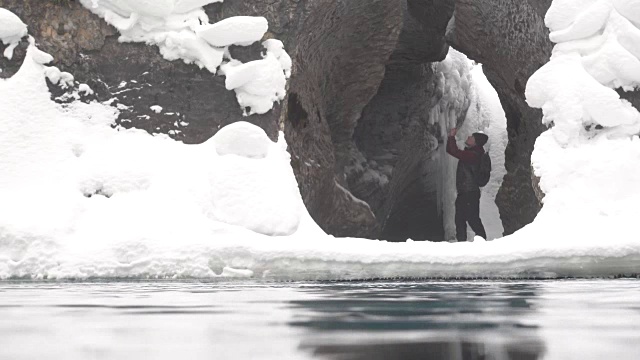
{"x":469,"y":160}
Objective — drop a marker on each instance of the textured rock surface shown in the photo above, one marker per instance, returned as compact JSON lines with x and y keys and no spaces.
{"x":338,"y":72}
{"x":134,"y":73}
{"x":392,"y":166}
{"x":422,"y":38}
{"x":510,"y":39}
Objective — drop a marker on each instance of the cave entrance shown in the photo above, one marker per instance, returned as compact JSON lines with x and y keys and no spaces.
{"x":402,"y":169}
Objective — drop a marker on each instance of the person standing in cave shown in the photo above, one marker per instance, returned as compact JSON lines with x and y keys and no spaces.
{"x":468,"y":200}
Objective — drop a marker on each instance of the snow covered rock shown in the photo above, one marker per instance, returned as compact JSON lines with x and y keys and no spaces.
{"x":594,"y":132}
{"x":258,"y":84}
{"x":575,"y":89}
{"x":242,"y":139}
{"x":69,"y":177}
{"x":587,"y":18}
{"x":181,"y":30}
{"x":276,"y":47}
{"x":238,"y":30}
{"x":12,"y":29}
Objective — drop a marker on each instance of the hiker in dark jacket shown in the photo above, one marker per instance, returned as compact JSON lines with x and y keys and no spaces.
{"x":468,"y":201}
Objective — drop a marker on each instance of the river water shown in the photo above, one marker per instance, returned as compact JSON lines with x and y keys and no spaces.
{"x":569,"y":319}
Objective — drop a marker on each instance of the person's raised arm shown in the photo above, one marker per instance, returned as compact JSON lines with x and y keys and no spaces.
{"x":466,"y":156}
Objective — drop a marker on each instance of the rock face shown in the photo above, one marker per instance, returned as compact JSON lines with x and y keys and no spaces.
{"x":391,"y":166}
{"x":358,"y":100}
{"x":135,"y":74}
{"x":510,"y":39}
{"x":632,"y":96}
{"x":338,"y":71}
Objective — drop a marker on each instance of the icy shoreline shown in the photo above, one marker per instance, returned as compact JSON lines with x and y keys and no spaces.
{"x":285,"y":259}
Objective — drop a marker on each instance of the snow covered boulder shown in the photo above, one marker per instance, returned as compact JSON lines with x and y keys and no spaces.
{"x":256,"y":189}
{"x":258,"y":84}
{"x":276,"y":47}
{"x":259,"y":195}
{"x":12,"y":29}
{"x":242,"y":139}
{"x":238,"y":30}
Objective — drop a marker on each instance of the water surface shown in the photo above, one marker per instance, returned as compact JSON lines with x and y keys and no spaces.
{"x":572,"y":319}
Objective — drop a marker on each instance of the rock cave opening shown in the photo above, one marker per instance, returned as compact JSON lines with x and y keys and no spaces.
{"x":384,"y":106}
{"x":400,"y":166}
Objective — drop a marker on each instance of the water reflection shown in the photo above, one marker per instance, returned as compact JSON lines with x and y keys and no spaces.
{"x":421,"y":321}
{"x":462,"y":349}
{"x":369,"y":320}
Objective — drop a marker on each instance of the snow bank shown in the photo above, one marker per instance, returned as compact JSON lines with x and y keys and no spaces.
{"x":585,"y":160}
{"x":11,"y":31}
{"x":181,"y":30}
